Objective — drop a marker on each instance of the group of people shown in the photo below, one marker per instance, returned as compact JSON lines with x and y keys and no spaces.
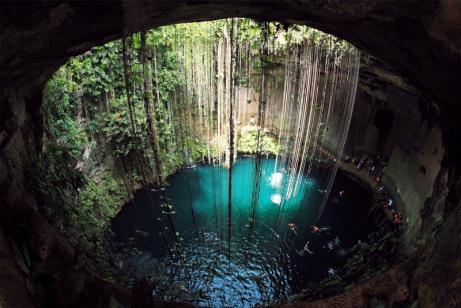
{"x":316,"y":230}
{"x":332,"y":273}
{"x":375,"y":165}
{"x":389,"y":205}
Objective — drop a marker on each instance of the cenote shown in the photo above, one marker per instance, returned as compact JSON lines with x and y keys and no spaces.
{"x":181,"y":154}
{"x":266,"y":262}
{"x":213,"y":162}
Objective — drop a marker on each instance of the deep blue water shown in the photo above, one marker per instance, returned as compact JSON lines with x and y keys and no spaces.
{"x":265,"y":263}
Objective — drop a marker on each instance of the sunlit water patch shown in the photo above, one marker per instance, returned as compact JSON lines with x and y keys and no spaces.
{"x":271,"y":257}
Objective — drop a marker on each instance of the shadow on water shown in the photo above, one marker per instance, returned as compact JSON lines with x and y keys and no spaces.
{"x":264,"y":267}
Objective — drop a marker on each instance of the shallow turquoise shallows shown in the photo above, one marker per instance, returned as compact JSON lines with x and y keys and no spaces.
{"x":266,"y":262}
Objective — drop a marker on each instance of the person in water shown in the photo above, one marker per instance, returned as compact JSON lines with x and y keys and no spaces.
{"x":305,"y":250}
{"x":337,"y":241}
{"x":398,"y":218}
{"x":333,"y":274}
{"x":292,"y":228}
{"x":390,"y":204}
{"x":316,"y":229}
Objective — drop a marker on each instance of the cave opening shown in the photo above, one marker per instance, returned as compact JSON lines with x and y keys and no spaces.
{"x":224,"y":139}
{"x":62,"y":183}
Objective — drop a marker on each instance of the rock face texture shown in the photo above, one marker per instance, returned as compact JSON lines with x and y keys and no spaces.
{"x":420,"y":40}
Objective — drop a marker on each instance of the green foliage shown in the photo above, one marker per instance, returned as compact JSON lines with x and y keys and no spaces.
{"x":169,"y":77}
{"x":248,"y":142}
{"x":100,"y":200}
{"x":116,"y":126}
{"x":94,"y":83}
{"x":98,"y":70}
{"x":67,"y":135}
{"x":197,"y":147}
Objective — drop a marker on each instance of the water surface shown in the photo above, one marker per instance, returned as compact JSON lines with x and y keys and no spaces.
{"x":266,"y":262}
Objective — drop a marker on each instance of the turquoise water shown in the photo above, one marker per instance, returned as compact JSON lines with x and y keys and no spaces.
{"x":205,"y":189}
{"x":266,"y":262}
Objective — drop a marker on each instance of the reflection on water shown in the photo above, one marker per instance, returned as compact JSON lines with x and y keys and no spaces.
{"x":268,"y":262}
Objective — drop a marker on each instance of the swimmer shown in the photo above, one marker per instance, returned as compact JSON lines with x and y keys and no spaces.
{"x":398,"y":218}
{"x":337,"y":241}
{"x":305,"y":249}
{"x":316,"y":229}
{"x":371,"y":169}
{"x":292,"y":228}
{"x":333,"y":274}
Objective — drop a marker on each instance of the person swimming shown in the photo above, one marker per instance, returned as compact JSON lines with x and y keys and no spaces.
{"x":305,"y":250}
{"x":292,"y":228}
{"x":333,"y":274}
{"x":316,"y":229}
{"x":337,"y":241}
{"x":397,"y":218}
{"x":390,"y":203}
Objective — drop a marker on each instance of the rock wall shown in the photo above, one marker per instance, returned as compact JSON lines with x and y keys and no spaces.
{"x":13,"y":293}
{"x":386,"y":113}
{"x":38,"y":267}
{"x":411,"y":175}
